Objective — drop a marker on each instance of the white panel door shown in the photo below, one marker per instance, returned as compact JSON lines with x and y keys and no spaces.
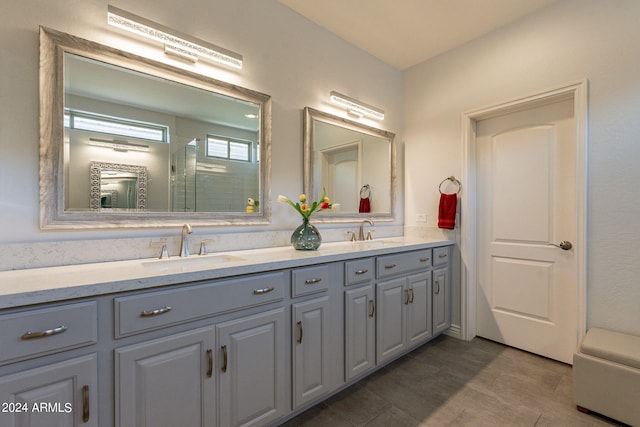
{"x":526,"y":192}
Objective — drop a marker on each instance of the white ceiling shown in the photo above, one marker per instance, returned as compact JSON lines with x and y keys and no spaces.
{"x":404,"y":33}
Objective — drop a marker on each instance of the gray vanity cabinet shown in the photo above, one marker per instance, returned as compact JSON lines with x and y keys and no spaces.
{"x":441,"y":300}
{"x":407,"y":305}
{"x":251,"y":364}
{"x":60,"y":394}
{"x":359,"y":317}
{"x":311,"y":369}
{"x":63,"y":389}
{"x":360,"y":325}
{"x":166,"y":382}
{"x":390,"y":318}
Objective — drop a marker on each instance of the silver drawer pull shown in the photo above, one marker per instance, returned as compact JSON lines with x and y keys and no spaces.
{"x":442,"y":256}
{"x":390,"y":266}
{"x":156,"y":312}
{"x":313,"y":281}
{"x":425,"y":259}
{"x":362,"y":271}
{"x":437,"y":290}
{"x":263,"y":290}
{"x":42,"y":334}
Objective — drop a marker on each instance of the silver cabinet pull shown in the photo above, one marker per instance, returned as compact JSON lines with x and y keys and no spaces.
{"x":425,"y":259}
{"x":390,"y":266}
{"x":263,"y":290}
{"x":437,"y":290}
{"x":224,"y":359}
{"x":406,"y":296}
{"x":209,"y":363}
{"x":372,"y":308}
{"x":313,"y":281}
{"x":299,"y":332}
{"x":156,"y":312}
{"x":412,"y":296}
{"x":42,"y":334}
{"x":85,"y":404}
{"x":365,"y":271}
{"x":442,"y":256}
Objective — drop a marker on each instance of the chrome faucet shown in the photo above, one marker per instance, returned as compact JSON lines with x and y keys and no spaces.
{"x":184,"y":241}
{"x":361,"y":232}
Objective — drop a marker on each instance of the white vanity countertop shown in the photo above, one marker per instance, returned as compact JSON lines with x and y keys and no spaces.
{"x":41,"y":285}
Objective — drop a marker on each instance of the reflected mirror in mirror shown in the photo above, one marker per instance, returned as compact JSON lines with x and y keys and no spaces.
{"x":355,"y":163}
{"x":204,"y":144}
{"x":117,"y":187}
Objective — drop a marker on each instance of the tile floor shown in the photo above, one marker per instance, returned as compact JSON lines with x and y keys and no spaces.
{"x":449,"y":382}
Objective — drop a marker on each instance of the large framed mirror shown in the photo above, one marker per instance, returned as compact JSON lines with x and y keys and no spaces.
{"x":192,"y":148}
{"x":353,"y":162}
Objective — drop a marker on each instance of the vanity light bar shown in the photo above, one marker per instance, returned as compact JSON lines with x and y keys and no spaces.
{"x":179,"y":44}
{"x":118,"y":145}
{"x":356,"y":107}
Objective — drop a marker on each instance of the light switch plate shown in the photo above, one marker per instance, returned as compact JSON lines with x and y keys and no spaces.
{"x":421,"y":217}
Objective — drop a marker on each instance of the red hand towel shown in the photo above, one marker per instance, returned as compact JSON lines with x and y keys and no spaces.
{"x":447,"y":211}
{"x":365,"y":205}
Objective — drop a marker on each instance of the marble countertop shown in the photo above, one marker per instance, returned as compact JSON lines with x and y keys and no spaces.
{"x":41,"y":285}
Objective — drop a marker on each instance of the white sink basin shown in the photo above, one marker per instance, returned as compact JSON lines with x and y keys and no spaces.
{"x":190,"y":262}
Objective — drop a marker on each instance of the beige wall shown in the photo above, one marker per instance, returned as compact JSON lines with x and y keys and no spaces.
{"x":569,"y":41}
{"x":285,"y":55}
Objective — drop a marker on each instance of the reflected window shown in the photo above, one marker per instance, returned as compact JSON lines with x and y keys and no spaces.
{"x":225,"y":148}
{"x":115,"y":126}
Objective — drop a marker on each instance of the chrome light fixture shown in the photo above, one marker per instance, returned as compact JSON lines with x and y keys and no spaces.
{"x":355,"y":107}
{"x":122,"y":146}
{"x":176,"y":43}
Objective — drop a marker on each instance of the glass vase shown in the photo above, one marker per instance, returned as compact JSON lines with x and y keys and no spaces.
{"x":306,"y":237}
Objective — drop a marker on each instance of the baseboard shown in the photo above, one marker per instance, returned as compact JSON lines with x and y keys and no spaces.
{"x":454,"y":331}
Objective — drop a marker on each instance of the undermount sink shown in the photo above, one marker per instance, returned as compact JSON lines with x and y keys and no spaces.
{"x":376,"y":243}
{"x":190,"y":262}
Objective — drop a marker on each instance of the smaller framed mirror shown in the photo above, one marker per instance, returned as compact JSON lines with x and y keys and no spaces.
{"x":354,"y":163}
{"x":117,"y":187}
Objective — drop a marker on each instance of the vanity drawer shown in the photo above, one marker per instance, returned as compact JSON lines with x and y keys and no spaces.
{"x":309,"y":280}
{"x":47,"y":330}
{"x":157,"y":309}
{"x":358,"y":271}
{"x":389,"y":265}
{"x":441,"y":255}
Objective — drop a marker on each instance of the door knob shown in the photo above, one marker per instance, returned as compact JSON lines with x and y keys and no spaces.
{"x":565,"y":245}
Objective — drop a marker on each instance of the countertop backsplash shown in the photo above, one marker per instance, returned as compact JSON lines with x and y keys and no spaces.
{"x":19,"y":256}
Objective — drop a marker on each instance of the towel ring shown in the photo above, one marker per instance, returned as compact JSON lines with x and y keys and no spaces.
{"x":452,"y":179}
{"x":365,"y":191}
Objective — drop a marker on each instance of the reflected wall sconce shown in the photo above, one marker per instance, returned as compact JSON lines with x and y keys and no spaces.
{"x":356,"y":108}
{"x":122,"y":146}
{"x":175,"y":43}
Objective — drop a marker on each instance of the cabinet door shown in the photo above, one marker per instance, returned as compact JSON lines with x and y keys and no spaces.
{"x":251,"y":369}
{"x":59,"y":395}
{"x":310,"y":350}
{"x":391,"y":298}
{"x":441,"y":300}
{"x":166,"y":382}
{"x":359,"y":331}
{"x":419,"y":309}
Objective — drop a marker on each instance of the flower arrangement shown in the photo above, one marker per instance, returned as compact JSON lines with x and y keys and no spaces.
{"x":252,"y":205}
{"x":304,"y":208}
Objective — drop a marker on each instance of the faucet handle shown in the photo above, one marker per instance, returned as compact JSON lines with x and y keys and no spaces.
{"x":203,"y":246}
{"x":369,"y":236}
{"x":163,"y":251}
{"x":353,"y":236}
